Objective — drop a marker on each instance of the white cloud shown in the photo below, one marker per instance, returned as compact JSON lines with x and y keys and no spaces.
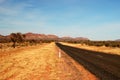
{"x":22,"y":23}
{"x":8,"y":11}
{"x":12,"y":10}
{"x":27,"y":24}
{"x":108,"y":27}
{"x":108,"y":31}
{"x":2,"y":1}
{"x":17,"y":16}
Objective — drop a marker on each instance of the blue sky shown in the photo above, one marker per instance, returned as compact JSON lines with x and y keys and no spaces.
{"x":94,"y":19}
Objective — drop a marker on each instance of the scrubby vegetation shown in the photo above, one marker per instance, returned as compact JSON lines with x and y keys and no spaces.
{"x":100,"y":43}
{"x":19,"y":39}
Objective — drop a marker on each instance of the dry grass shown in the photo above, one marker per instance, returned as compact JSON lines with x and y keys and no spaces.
{"x":40,"y":62}
{"x":14,"y":62}
{"x":7,"y":50}
{"x":108,"y":50}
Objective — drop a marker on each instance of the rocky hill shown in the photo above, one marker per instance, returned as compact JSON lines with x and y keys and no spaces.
{"x":40,"y":36}
{"x":36,"y":36}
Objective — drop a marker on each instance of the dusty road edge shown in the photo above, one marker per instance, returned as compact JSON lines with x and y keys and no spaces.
{"x":85,"y":74}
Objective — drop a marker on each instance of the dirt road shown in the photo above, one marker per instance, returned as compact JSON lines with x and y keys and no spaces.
{"x":104,"y":66}
{"x":41,"y":63}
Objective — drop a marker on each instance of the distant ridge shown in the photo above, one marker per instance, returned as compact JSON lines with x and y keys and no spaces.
{"x":37,"y":36}
{"x":50,"y":36}
{"x":117,"y":40}
{"x":40,"y":36}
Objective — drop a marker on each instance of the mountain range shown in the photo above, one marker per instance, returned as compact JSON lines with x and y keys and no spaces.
{"x":37,"y":36}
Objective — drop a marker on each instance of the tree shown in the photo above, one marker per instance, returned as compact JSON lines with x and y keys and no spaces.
{"x":16,"y":37}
